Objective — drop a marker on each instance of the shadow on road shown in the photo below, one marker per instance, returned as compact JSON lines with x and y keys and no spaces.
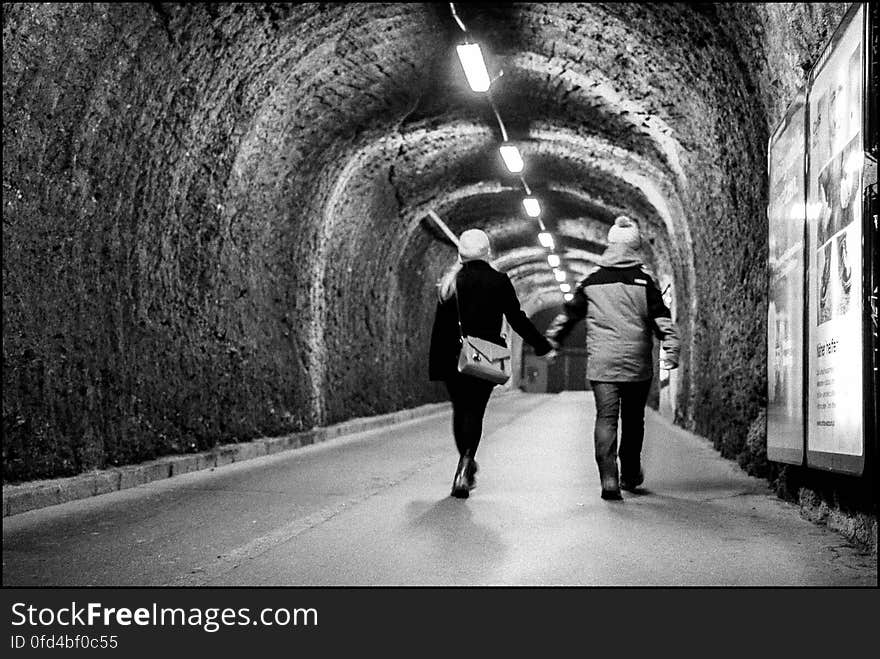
{"x":452,"y":535}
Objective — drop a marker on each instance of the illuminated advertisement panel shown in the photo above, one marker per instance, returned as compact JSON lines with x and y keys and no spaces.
{"x":786,"y":220}
{"x":835,"y":407}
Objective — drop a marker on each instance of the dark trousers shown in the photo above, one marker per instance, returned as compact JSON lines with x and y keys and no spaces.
{"x":627,"y":401}
{"x":469,"y":396}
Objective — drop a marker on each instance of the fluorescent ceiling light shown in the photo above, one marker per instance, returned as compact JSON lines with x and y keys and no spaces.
{"x":533,"y":208}
{"x":560,"y":275}
{"x":474,"y":67}
{"x":511,"y":157}
{"x":565,"y":288}
{"x":553,"y":260}
{"x":545,"y":239}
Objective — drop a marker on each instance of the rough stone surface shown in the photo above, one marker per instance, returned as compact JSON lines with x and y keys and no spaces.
{"x":859,"y":527}
{"x":107,"y":481}
{"x":143,"y":473}
{"x":186,"y":463}
{"x":38,"y":497}
{"x":212,"y":213}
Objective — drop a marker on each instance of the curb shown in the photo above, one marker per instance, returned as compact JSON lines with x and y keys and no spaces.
{"x":51,"y":492}
{"x":40,"y":494}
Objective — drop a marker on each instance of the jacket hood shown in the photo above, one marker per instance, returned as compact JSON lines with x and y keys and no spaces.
{"x":620,"y":255}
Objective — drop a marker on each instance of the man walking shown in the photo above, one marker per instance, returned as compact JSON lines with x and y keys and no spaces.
{"x":623,"y":308}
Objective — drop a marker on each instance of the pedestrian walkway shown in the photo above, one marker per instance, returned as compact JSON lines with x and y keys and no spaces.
{"x":374,"y":509}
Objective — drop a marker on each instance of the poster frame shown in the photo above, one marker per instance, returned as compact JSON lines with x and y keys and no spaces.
{"x":829,"y":461}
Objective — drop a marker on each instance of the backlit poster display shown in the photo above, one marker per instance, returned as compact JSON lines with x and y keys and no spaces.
{"x":786,"y":220}
{"x":835,"y":407}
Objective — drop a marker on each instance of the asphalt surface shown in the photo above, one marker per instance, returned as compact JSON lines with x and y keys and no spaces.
{"x":374,"y":509}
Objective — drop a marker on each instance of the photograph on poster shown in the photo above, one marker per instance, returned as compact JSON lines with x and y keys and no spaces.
{"x":826,"y":285}
{"x":838,"y":191}
{"x":820,"y":147}
{"x":844,"y":276}
{"x":826,"y":213}
{"x":854,"y":90}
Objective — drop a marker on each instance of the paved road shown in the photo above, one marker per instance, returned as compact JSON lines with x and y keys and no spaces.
{"x":373,"y":509}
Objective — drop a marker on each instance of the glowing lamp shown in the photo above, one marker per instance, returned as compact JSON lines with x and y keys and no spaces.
{"x":511,"y":157}
{"x":533,"y":208}
{"x":545,"y":239}
{"x":471,"y":58}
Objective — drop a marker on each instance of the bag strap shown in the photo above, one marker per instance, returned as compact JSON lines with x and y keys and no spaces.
{"x":458,"y":309}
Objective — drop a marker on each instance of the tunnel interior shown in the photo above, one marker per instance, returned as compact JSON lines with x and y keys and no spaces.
{"x":214,"y":214}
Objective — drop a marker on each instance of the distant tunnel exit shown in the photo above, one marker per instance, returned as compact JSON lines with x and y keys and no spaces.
{"x":568,"y":372}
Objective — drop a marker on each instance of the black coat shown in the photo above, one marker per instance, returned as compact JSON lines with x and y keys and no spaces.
{"x":484,"y":295}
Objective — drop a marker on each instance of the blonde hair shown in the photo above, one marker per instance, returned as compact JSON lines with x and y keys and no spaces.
{"x":446,"y":285}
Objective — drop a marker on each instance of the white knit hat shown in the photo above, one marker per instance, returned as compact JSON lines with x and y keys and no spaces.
{"x":625,"y":231}
{"x":473,"y":245}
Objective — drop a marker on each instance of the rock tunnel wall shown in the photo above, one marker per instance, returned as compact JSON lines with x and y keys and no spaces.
{"x":211,"y":212}
{"x":170,"y":284}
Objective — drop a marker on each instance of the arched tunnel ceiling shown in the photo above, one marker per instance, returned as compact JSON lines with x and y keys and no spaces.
{"x":592,"y":147}
{"x":578,"y":129}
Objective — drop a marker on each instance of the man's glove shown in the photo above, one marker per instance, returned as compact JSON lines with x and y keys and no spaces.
{"x":669,"y":362}
{"x":551,"y":356}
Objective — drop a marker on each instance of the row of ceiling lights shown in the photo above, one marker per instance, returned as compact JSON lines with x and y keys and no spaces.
{"x":471,"y":57}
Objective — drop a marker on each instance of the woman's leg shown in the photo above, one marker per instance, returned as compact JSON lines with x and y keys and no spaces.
{"x":469,"y":397}
{"x":458,"y":399}
{"x":479,"y":392}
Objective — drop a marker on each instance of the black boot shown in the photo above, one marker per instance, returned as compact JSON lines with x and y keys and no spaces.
{"x":462,"y":482}
{"x":471,"y":474}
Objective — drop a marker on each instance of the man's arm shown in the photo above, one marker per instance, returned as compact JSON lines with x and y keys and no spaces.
{"x":664,"y":328}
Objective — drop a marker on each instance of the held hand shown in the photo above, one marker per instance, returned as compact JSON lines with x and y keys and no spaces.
{"x":668,"y":361}
{"x":551,"y":356}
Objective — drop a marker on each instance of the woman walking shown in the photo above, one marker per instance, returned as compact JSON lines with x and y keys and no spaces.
{"x":479,"y":295}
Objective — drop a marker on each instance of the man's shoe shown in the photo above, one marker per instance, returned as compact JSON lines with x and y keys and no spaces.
{"x":611,"y":488}
{"x":611,"y":495}
{"x":631,"y":484}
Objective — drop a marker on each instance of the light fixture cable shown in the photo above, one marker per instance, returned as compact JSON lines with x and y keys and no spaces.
{"x":501,"y":125}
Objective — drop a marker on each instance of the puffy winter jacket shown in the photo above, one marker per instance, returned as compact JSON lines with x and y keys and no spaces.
{"x":623,"y":309}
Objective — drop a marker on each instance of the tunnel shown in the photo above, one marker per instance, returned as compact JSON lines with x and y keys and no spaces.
{"x":215,"y":214}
